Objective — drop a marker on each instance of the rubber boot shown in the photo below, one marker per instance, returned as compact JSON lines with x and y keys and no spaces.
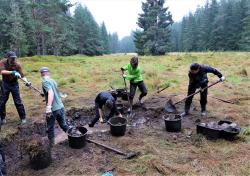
{"x":203,"y":111}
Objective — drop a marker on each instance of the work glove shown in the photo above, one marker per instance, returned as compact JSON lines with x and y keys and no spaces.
{"x":222,"y":79}
{"x":16,"y":74}
{"x":26,"y":82}
{"x":48,"y":111}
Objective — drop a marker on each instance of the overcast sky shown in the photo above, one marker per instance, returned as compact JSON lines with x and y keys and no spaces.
{"x":121,"y":15}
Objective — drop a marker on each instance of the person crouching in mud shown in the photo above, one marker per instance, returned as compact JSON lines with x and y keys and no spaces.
{"x":104,"y":100}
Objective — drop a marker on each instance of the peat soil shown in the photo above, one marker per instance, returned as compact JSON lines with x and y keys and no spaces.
{"x":93,"y":160}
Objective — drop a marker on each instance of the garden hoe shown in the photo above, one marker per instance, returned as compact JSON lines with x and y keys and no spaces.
{"x":127,"y":155}
{"x":170,"y":106}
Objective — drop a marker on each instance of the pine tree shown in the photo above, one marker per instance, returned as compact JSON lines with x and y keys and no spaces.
{"x":155,"y":23}
{"x":114,"y":42}
{"x":219,"y":25}
{"x":88,"y":36}
{"x":245,"y":34}
{"x":139,"y":42}
{"x":175,"y":36}
{"x":105,"y":39}
{"x":4,"y":26}
{"x":126,"y":44}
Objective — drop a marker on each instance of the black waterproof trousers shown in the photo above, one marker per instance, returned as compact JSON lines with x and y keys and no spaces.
{"x":203,"y":97}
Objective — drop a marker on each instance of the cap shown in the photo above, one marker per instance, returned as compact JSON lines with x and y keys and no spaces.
{"x":44,"y":69}
{"x":11,"y":54}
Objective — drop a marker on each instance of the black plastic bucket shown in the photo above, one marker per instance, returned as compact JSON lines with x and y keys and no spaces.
{"x":173,"y":123}
{"x":119,"y":92}
{"x":113,"y":93}
{"x":124,"y":96}
{"x":77,"y":142}
{"x":117,"y":126}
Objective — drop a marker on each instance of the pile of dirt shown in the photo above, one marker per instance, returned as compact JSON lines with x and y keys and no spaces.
{"x":39,"y":151}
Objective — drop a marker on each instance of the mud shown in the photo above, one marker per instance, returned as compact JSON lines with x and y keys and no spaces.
{"x":148,"y":121}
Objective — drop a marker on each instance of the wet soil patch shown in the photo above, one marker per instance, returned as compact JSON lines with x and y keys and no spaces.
{"x":147,"y":123}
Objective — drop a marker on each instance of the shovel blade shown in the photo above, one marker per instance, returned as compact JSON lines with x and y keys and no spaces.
{"x":170,"y":107}
{"x":132,"y":155}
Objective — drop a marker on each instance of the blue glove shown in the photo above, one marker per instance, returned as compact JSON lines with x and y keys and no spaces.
{"x":108,"y":174}
{"x":16,"y":74}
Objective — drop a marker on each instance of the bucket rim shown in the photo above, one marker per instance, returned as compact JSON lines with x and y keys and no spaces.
{"x":67,"y":132}
{"x":172,"y":120}
{"x":126,"y":121}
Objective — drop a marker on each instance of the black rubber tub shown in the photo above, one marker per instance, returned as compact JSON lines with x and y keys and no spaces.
{"x":229,"y":133}
{"x":77,"y":142}
{"x":209,"y":133}
{"x":124,"y":96}
{"x":114,"y":93}
{"x":117,"y":126}
{"x":120,"y":92}
{"x":212,"y":133}
{"x":172,"y":123}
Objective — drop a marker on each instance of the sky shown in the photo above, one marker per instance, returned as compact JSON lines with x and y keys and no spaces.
{"x":121,"y":15}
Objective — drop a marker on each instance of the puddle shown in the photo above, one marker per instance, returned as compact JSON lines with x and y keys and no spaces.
{"x":137,"y":122}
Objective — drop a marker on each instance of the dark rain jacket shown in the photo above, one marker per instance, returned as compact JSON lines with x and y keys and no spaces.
{"x":200,"y":79}
{"x":101,"y":100}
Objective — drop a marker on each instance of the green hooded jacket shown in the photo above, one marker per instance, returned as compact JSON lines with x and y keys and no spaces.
{"x":133,"y":75}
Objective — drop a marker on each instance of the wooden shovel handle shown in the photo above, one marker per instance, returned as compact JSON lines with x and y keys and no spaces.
{"x":197,"y":92}
{"x":162,"y":89}
{"x":107,"y":147}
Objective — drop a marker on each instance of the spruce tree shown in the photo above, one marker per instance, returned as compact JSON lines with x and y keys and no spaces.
{"x":105,"y":39}
{"x":114,"y":42}
{"x":244,"y":42}
{"x":155,"y":23}
{"x":88,"y":36}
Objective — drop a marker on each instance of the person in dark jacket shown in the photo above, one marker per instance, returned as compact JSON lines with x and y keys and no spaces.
{"x":104,"y":100}
{"x":135,"y":77}
{"x":198,"y":79}
{"x":11,"y":71}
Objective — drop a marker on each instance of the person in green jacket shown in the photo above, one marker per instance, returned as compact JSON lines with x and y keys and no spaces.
{"x":135,"y":78}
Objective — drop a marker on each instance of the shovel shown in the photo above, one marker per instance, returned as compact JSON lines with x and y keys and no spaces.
{"x":127,"y":155}
{"x":130,"y":105}
{"x":34,"y":88}
{"x":170,"y":106}
{"x":159,"y":91}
